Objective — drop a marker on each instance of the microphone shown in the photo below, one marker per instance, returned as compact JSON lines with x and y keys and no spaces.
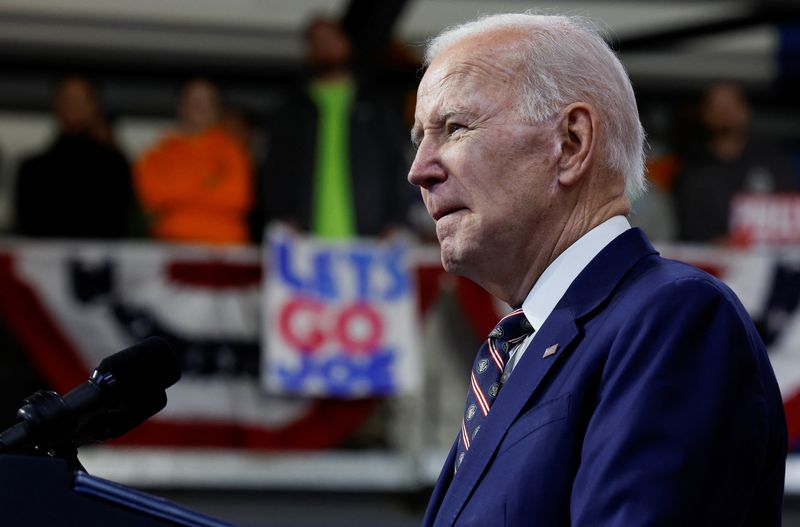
{"x":125,"y":389}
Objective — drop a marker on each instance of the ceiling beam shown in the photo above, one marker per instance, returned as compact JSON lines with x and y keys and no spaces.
{"x":775,"y":12}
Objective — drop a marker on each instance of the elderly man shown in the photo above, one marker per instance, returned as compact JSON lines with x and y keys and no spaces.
{"x":624,"y":389}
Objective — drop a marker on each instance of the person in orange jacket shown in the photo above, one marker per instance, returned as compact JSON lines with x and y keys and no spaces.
{"x":196,"y":182}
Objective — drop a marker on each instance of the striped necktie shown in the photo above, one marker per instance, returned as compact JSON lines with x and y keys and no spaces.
{"x":485,"y":376}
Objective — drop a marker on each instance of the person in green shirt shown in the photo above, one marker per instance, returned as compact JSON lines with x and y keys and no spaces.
{"x":337,"y":161}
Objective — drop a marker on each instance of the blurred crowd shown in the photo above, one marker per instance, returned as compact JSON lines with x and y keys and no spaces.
{"x":331,"y":160}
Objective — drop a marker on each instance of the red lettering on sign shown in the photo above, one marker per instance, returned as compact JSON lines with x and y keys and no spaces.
{"x":307,"y":325}
{"x":305,"y":335}
{"x":347,"y":326}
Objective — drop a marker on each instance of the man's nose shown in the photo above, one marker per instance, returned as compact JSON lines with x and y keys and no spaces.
{"x":427,"y":170}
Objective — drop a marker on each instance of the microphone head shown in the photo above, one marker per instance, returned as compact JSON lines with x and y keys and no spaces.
{"x":123,"y":418}
{"x":149,"y":364}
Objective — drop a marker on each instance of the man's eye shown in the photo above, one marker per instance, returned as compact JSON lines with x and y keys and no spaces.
{"x":454,"y":127}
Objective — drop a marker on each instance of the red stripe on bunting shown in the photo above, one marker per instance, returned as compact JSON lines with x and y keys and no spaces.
{"x":428,"y":285}
{"x":791,"y":406}
{"x":478,"y":306}
{"x":326,"y":425}
{"x":53,"y":354}
{"x":214,"y":275}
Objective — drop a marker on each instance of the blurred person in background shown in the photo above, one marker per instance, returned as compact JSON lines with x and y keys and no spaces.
{"x":196,"y":182}
{"x":336,"y":164}
{"x":80,"y":186}
{"x":725,"y":160}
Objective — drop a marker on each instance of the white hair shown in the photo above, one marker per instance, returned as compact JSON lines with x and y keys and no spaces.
{"x":567,"y":60}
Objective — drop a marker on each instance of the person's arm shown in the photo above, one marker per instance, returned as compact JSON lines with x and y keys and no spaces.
{"x":688,"y":426}
{"x":227,"y":186}
{"x":221,"y":179}
{"x":152,"y":178}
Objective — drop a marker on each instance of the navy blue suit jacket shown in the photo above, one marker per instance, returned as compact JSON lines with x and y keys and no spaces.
{"x":660,"y":407}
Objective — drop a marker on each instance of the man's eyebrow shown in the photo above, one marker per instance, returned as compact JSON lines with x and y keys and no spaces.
{"x":438,"y":120}
{"x":451,"y":112}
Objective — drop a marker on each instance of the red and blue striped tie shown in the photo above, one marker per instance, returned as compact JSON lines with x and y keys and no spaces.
{"x":486,"y":373}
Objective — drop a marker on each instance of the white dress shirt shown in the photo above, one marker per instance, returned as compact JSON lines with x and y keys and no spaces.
{"x":548,"y":290}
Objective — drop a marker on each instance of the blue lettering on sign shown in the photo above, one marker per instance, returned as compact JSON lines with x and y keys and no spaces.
{"x":323,"y":271}
{"x":365,"y":264}
{"x":340,"y":374}
{"x":400,"y":283}
{"x":362,"y":263}
{"x":281,"y":250}
{"x":320,"y":283}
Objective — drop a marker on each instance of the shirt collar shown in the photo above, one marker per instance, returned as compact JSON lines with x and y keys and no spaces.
{"x":559,"y":275}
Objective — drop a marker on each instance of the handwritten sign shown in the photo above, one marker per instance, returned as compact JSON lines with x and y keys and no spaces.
{"x":340,"y":317}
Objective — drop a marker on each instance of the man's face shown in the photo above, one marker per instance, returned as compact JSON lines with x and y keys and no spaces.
{"x":725,"y":109}
{"x":486,"y":176}
{"x":199,"y":108}
{"x":328,"y":48}
{"x":76,"y":106}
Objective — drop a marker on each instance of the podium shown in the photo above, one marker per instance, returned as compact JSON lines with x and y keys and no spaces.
{"x":41,"y":491}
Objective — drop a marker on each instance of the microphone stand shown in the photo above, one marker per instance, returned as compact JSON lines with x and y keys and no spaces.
{"x":46,"y":413}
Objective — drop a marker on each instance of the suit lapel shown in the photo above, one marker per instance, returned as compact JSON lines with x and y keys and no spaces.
{"x":595,"y":283}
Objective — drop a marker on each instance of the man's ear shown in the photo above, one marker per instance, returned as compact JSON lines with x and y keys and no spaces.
{"x":577,"y":135}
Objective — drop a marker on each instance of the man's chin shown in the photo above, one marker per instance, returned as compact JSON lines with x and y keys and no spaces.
{"x":452,"y":259}
{"x":458,"y":247}
{"x":448,"y":265}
